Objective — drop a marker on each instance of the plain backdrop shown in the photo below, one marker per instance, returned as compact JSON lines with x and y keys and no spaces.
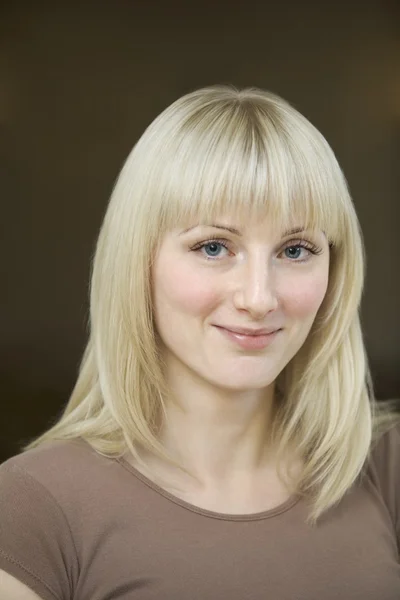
{"x":79,"y":83}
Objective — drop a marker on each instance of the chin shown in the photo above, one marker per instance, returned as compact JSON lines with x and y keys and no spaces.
{"x":248,"y":374}
{"x":243,"y":384}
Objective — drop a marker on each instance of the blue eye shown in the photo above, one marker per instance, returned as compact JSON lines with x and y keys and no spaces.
{"x":212,"y":248}
{"x":293,"y":251}
{"x":295,"y":254}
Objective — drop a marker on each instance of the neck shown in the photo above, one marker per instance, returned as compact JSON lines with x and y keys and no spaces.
{"x":217,"y":434}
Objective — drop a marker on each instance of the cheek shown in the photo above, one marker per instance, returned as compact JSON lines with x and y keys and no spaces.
{"x":304,"y":298}
{"x":182,"y":289}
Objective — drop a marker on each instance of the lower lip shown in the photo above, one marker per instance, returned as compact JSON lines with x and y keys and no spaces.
{"x":250,"y":342}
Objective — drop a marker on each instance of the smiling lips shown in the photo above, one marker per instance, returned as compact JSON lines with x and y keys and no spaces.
{"x":250,"y":339}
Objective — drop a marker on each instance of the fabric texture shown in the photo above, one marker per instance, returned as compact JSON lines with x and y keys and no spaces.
{"x":75,"y":525}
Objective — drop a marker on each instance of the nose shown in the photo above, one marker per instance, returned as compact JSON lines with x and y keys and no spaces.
{"x":255,"y":290}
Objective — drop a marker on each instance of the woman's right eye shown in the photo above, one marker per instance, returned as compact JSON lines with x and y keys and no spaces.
{"x":211,"y":249}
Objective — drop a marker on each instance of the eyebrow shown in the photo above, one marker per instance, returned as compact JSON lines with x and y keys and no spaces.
{"x":237,"y":232}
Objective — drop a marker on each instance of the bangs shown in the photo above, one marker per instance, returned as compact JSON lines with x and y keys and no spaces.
{"x":243,"y":162}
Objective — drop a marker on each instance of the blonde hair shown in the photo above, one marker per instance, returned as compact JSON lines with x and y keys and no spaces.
{"x":214,"y":151}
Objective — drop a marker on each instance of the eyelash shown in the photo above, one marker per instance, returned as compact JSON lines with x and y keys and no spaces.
{"x":312,"y":248}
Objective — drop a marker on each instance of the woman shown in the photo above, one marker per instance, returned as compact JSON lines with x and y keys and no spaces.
{"x":222,"y":440}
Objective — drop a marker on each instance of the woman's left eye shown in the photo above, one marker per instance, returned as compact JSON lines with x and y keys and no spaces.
{"x":293,"y":251}
{"x":301,"y":251}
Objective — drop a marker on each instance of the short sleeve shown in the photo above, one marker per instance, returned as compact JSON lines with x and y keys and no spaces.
{"x":36,"y":545}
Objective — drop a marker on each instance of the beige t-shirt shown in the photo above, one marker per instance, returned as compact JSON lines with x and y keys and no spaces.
{"x":77,"y":526}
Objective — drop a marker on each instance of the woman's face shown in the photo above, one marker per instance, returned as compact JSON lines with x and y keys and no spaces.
{"x":235,"y":301}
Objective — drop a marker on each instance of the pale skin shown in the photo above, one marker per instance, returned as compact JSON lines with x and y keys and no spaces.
{"x":218,"y":420}
{"x":12,"y":589}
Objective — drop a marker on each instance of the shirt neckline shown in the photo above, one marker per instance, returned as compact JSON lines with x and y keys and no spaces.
{"x":266,"y":514}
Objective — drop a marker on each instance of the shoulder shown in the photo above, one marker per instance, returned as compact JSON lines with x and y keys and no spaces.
{"x":45,"y":479}
{"x":37,"y":493}
{"x":54,"y":464}
{"x":385,"y":450}
{"x":62,"y":475}
{"x":41,"y":459}
{"x":384,"y":468}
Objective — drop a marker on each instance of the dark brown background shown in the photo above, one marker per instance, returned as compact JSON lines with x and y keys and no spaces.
{"x":79,"y":82}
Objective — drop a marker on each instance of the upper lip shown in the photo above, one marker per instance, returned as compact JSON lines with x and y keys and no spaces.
{"x":248,"y":331}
